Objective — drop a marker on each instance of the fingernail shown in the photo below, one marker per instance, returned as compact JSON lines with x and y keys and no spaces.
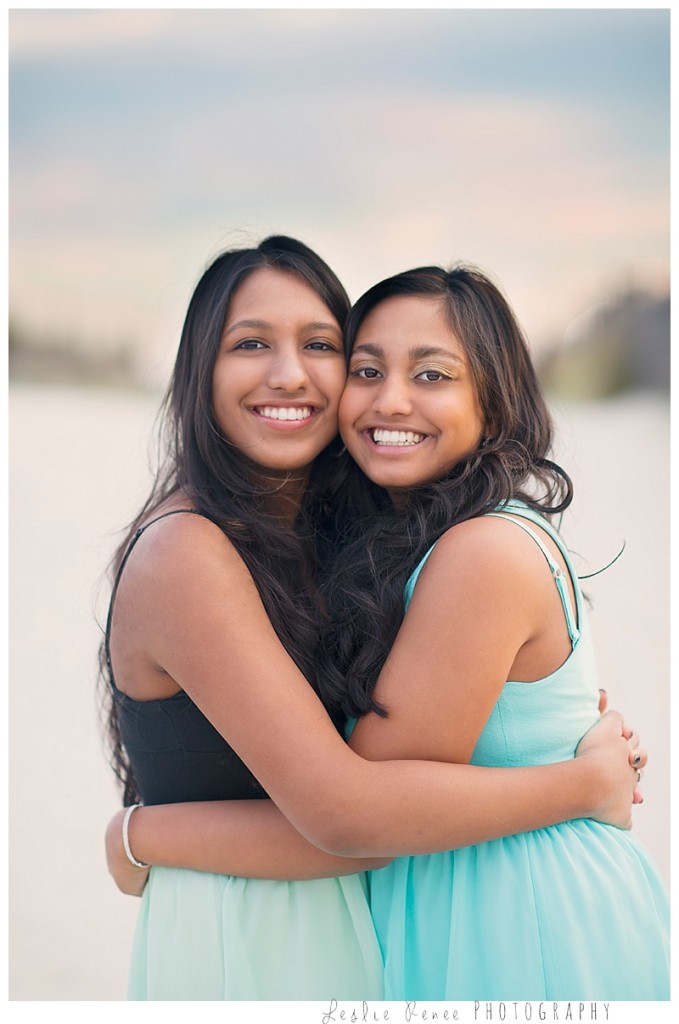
{"x":601,"y":690}
{"x":637,"y":760}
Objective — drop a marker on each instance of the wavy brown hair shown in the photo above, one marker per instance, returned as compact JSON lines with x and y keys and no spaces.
{"x":383,"y":543}
{"x":223,"y":484}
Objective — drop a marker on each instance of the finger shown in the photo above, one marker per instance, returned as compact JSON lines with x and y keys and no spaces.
{"x":638,"y":757}
{"x":625,"y":730}
{"x":614,"y":718}
{"x":638,"y":797}
{"x":631,"y":736}
{"x":603,"y":702}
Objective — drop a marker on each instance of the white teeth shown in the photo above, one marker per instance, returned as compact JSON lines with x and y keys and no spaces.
{"x":396,"y":437}
{"x":277,"y":412}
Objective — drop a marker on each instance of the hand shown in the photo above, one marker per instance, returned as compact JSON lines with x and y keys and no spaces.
{"x":638,"y":758}
{"x":620,"y":760}
{"x":628,"y":734}
{"x":129,"y":878}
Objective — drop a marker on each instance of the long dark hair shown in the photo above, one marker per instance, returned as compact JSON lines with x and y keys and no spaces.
{"x":364,"y":591}
{"x":222,"y":482}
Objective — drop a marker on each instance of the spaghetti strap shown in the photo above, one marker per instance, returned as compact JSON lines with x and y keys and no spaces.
{"x":557,"y":573}
{"x":135,"y":537}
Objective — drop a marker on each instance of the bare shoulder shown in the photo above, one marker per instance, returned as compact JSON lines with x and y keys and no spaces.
{"x":484,"y":540}
{"x":178,"y":542}
{"x":480,"y":553}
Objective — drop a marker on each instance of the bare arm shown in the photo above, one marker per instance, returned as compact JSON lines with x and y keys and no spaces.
{"x":201,"y":611}
{"x":209,"y":836}
{"x":250,"y":838}
{"x":485,"y":610}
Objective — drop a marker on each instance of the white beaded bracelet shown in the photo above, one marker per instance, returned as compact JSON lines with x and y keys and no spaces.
{"x":126,"y":839}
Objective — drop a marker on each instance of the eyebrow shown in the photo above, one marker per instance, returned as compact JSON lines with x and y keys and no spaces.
{"x":419,"y":352}
{"x":263,"y":325}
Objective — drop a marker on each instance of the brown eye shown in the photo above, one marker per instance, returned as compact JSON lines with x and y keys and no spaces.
{"x":366,"y":373}
{"x":249,"y":345}
{"x":318,"y":345}
{"x":431,"y":375}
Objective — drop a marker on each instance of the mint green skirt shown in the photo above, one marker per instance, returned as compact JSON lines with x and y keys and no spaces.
{"x":216,"y":937}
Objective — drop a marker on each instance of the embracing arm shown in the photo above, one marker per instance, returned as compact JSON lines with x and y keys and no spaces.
{"x":253,"y":839}
{"x":202,"y":611}
{"x":485,"y":610}
{"x":250,"y":838}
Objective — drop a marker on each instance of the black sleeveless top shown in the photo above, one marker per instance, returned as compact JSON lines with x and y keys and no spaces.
{"x":176,"y":755}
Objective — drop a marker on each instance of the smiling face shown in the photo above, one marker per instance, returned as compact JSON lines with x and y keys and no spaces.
{"x":410,"y":410}
{"x":279,"y":373}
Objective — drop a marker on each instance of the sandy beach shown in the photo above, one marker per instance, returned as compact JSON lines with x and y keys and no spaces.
{"x":79,"y":470}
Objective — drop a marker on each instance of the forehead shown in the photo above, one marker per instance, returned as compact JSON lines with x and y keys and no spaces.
{"x":409,"y":322}
{"x":267,"y":292}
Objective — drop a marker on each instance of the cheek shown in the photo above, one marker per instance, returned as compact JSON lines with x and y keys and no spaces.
{"x":333,"y":383}
{"x":346,"y":410}
{"x":232,"y":384}
{"x":221,"y":398}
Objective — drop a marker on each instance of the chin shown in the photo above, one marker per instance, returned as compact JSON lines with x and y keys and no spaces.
{"x":396,"y":484}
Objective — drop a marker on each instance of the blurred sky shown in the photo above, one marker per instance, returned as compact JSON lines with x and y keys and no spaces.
{"x":533,"y":142}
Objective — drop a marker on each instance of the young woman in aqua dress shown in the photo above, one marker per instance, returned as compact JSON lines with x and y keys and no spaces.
{"x":443,"y":412}
{"x":211,"y":644}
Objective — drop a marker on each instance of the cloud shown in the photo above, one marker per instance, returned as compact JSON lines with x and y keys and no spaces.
{"x":142,"y":144}
{"x":39,"y":34}
{"x":581,"y":52}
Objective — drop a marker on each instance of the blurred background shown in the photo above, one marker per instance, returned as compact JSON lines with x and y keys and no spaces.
{"x":532,"y":142}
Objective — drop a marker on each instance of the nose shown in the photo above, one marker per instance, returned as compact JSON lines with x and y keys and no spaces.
{"x":393,"y":397}
{"x":288,"y":370}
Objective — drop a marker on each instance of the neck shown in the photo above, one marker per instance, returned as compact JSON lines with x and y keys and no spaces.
{"x":284,"y":492}
{"x":397,"y":497}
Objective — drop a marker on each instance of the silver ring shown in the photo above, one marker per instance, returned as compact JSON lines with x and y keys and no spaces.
{"x":638,"y":771}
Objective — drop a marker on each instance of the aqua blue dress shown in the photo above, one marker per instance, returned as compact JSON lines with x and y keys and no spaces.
{"x":576,"y":911}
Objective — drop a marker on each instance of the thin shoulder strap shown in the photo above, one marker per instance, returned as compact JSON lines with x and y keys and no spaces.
{"x":410,"y":585}
{"x":559,"y":577}
{"x":135,"y":537}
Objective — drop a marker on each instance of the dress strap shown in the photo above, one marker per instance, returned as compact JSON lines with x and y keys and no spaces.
{"x":559,"y":577}
{"x":135,"y":537}
{"x":410,"y":585}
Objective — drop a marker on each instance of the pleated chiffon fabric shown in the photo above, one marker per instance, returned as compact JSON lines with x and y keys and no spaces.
{"x":570,"y":912}
{"x":201,"y":936}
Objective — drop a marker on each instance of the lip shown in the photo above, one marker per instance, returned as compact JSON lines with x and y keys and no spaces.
{"x":262,"y":412}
